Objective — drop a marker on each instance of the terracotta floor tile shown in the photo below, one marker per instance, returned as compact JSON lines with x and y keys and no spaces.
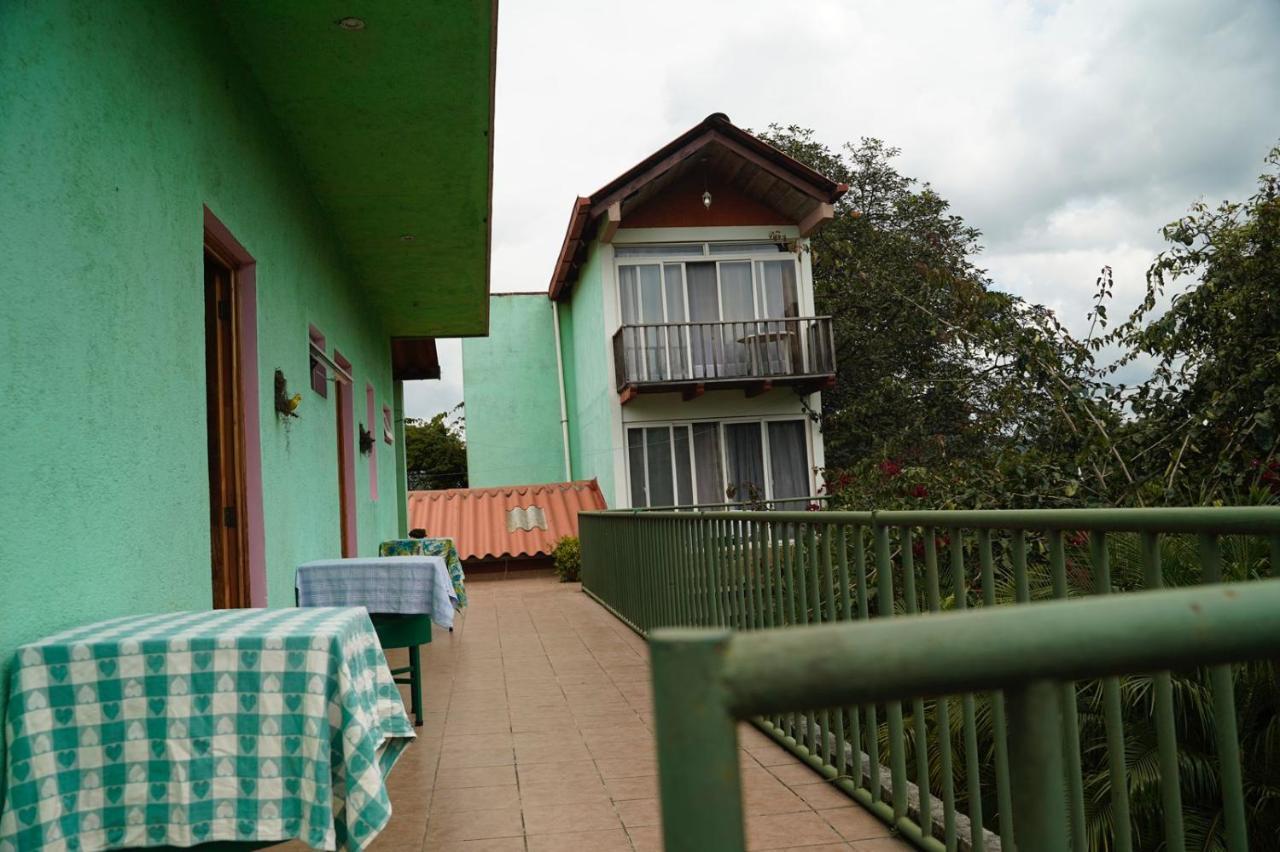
{"x":780,"y":831}
{"x":647,"y":838}
{"x":476,"y":776}
{"x":561,"y":819}
{"x":823,"y":796}
{"x":855,"y":823}
{"x":477,"y":798}
{"x":474,"y":825}
{"x":634,"y":787}
{"x":638,"y":813}
{"x":614,"y":840}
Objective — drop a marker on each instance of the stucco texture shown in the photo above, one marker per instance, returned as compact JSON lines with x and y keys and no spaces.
{"x":591,"y":386}
{"x":119,"y":122}
{"x":512,"y":396}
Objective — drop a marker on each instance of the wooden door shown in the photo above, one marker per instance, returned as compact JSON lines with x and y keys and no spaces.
{"x":226,"y":462}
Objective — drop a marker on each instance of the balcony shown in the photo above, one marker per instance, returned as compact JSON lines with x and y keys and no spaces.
{"x":751,"y":355}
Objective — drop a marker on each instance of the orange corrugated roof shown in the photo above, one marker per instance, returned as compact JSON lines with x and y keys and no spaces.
{"x":476,"y":518}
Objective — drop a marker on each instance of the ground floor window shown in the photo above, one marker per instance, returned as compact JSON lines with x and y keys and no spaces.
{"x":681,"y":464}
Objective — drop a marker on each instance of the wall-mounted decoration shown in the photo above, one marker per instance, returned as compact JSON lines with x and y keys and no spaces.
{"x":388,"y":425}
{"x":366,"y":441}
{"x":286,"y":405}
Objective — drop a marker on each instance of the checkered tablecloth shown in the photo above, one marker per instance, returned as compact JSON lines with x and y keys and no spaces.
{"x":183,"y":728}
{"x":404,"y":585}
{"x":442,"y":547}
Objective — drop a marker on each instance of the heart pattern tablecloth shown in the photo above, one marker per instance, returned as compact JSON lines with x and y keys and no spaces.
{"x":183,"y":728}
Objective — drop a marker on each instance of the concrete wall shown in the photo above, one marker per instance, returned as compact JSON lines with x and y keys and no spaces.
{"x":512,"y":396}
{"x":119,"y":122}
{"x":587,"y":348}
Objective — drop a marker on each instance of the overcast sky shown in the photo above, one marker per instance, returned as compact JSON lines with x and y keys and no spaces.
{"x":1069,"y":133}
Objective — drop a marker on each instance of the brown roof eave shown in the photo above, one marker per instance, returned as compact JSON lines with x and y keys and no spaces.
{"x":714,"y":128}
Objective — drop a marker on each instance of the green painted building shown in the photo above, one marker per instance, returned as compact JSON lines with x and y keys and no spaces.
{"x":691,"y":361}
{"x":207,"y":209}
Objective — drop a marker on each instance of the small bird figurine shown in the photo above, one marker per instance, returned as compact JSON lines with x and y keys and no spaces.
{"x":294,"y":402}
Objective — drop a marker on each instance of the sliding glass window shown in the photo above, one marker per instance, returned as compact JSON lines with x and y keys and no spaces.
{"x":711,"y":462}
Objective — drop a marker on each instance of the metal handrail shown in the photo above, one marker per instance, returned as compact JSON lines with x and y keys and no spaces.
{"x":704,"y":680}
{"x":753,"y":571}
{"x":723,"y":350}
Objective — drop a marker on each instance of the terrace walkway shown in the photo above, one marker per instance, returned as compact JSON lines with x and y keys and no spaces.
{"x":539,"y":736}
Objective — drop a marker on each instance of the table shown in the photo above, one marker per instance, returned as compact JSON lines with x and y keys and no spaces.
{"x":403,"y":594}
{"x":184,"y":728}
{"x":443,"y":547}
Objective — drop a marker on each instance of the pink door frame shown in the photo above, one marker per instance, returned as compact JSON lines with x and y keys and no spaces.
{"x":370,"y":404}
{"x":347,"y":476}
{"x":246,"y":270}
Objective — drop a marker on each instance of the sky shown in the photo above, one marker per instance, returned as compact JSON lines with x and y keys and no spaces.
{"x":1069,"y":133}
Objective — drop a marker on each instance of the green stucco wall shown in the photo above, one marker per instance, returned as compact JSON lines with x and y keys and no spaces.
{"x":119,"y":121}
{"x":584,"y":342}
{"x":512,"y":396}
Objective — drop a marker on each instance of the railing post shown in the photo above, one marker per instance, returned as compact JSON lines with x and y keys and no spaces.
{"x":1035,"y":744}
{"x":698,"y":773}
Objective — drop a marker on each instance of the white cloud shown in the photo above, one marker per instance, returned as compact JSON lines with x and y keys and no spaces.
{"x":1068,"y":132}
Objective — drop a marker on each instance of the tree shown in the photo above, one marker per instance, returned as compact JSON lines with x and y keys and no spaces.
{"x":1206,"y":424}
{"x":981,"y":398}
{"x":436,"y":451}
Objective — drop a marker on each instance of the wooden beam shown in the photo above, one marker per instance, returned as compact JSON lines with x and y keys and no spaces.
{"x":819,"y":216}
{"x":694,"y":391}
{"x":628,"y":393}
{"x":612,"y":219}
{"x":759,"y":388}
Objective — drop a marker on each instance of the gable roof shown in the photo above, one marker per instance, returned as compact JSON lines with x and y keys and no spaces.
{"x":481,"y":523}
{"x":757,"y":168}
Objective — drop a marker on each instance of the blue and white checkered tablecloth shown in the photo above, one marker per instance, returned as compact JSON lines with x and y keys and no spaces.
{"x":405,"y":585}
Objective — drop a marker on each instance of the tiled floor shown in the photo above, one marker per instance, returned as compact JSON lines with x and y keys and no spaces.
{"x":538,"y":736}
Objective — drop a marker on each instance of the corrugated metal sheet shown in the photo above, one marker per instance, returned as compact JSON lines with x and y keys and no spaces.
{"x":477,"y":518}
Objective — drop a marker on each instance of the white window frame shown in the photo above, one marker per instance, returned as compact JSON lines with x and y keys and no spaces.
{"x":662,"y":260}
{"x":670,"y":425}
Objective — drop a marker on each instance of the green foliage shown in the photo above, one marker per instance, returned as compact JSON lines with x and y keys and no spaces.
{"x":435,"y":451}
{"x":938,"y":370}
{"x":984,"y":400}
{"x":568,"y":559}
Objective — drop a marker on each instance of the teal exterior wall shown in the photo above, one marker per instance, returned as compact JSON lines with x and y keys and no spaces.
{"x":512,"y":396}
{"x":120,"y":121}
{"x":589,"y":386}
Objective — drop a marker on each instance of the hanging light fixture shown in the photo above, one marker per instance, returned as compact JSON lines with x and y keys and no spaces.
{"x":706,"y":193}
{"x":706,"y":199}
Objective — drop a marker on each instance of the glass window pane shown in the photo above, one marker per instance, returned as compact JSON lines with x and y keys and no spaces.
{"x":735,"y":291}
{"x":706,"y":454}
{"x":658,"y":249}
{"x":778,"y":294}
{"x":788,"y":461}
{"x":635,"y":464}
{"x":629,"y":294}
{"x":704,"y":307}
{"x":744,"y":454}
{"x":673,"y":278}
{"x":658,"y":448}
{"x":653,"y":360}
{"x":684,"y":473}
{"x":743,"y":248}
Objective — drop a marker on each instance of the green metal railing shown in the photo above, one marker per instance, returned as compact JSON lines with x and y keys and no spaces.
{"x":754,"y":571}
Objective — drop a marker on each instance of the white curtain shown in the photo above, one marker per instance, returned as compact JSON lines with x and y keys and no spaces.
{"x":744,"y":454}
{"x":737,"y":305}
{"x":704,"y":307}
{"x":788,"y":462}
{"x":658,"y":451}
{"x":635,"y":466}
{"x":684,"y":466}
{"x":706,"y":454}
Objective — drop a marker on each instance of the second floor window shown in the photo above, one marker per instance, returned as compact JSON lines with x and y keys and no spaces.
{"x":710,"y":318}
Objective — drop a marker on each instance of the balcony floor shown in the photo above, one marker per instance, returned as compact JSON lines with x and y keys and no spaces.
{"x":538,"y":736}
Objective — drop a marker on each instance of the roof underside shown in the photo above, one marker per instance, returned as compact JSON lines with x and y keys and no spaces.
{"x":727,"y":153}
{"x":393,"y":127}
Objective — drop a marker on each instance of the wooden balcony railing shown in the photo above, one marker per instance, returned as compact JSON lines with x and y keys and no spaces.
{"x":664,"y":356}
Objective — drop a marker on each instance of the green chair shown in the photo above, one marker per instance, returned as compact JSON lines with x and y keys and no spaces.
{"x":405,"y":631}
